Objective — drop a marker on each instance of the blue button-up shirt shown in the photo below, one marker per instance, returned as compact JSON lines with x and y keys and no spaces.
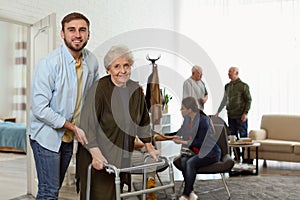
{"x":54,"y":92}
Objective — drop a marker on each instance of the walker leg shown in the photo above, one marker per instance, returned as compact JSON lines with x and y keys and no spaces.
{"x":88,"y":182}
{"x":118,"y":189}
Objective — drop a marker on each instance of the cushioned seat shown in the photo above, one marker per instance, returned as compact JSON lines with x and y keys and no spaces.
{"x":279,"y":138}
{"x":226,"y":163}
{"x":270,"y":145}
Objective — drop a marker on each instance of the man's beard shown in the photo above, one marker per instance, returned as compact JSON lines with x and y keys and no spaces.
{"x":69,"y":45}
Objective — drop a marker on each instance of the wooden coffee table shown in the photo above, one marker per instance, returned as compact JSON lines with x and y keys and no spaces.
{"x":244,"y":168}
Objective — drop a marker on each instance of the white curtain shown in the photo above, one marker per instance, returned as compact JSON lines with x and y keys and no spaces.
{"x":13,"y":71}
{"x":262,"y":38}
{"x":19,"y":75}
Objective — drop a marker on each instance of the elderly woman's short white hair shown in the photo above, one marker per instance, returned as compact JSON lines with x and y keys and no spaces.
{"x":115,"y":52}
{"x":197,"y":68}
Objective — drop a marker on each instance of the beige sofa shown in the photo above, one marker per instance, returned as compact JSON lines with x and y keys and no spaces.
{"x":279,"y":137}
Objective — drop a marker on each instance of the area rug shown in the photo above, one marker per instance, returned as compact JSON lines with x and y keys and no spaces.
{"x":244,"y":188}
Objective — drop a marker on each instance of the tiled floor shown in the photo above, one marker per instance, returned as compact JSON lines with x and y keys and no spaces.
{"x":14,"y":180}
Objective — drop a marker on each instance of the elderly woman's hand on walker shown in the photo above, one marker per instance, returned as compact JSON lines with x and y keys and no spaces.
{"x":98,"y":159}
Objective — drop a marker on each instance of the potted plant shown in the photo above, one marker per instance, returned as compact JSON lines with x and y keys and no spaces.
{"x":166,"y":100}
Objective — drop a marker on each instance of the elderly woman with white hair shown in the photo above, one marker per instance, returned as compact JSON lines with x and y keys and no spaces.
{"x":114,"y":113}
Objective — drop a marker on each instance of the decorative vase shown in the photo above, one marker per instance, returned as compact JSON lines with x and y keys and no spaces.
{"x":165,"y":110}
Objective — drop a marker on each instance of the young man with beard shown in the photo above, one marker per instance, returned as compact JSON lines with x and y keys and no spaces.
{"x":59,"y":86}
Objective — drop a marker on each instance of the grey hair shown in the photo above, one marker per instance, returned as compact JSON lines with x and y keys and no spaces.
{"x":235,"y":69}
{"x":196,"y":68}
{"x":115,"y":52}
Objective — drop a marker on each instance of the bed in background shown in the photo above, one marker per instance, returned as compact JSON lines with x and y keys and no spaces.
{"x":12,"y":137}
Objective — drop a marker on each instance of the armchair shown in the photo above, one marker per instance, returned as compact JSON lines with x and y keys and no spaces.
{"x":225,"y":164}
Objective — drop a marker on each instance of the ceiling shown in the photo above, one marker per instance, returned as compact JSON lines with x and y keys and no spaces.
{"x":15,"y":11}
{"x":16,"y":18}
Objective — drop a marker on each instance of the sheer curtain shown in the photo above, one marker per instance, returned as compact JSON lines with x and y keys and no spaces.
{"x":5,"y":69}
{"x":262,"y":38}
{"x":13,"y":71}
{"x":19,"y":74}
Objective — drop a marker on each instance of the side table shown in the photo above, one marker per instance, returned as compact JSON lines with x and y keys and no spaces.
{"x":245,"y":168}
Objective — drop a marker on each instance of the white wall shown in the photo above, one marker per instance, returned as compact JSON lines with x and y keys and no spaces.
{"x":108,"y":17}
{"x":7,"y":41}
{"x":260,"y":37}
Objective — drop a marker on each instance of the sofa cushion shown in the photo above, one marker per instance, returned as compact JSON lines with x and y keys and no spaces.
{"x":258,"y":134}
{"x":281,"y":127}
{"x":276,"y":146}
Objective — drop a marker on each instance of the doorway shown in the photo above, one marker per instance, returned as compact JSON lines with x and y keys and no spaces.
{"x":38,"y":42}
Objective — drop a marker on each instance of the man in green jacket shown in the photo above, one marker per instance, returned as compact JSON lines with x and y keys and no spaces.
{"x":237,"y":100}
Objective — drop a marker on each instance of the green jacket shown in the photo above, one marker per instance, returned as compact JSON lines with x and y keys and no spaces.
{"x":237,"y":99}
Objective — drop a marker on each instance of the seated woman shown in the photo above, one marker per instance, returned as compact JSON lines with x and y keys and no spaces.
{"x":196,"y":135}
